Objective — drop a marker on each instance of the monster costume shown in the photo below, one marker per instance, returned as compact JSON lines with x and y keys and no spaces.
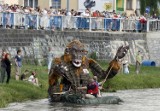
{"x":71,"y":71}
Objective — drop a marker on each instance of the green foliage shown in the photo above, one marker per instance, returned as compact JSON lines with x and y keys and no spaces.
{"x":148,"y":78}
{"x":17,"y":91}
{"x":153,"y":4}
{"x":93,"y":55}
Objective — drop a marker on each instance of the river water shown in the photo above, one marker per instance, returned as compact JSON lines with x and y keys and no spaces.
{"x":134,"y":100}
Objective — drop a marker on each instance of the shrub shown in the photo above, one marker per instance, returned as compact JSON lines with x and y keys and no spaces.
{"x":93,"y":55}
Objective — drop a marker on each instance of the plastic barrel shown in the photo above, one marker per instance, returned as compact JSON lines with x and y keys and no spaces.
{"x":148,"y":63}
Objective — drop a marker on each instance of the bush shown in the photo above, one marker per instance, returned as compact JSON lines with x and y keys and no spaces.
{"x":93,"y":56}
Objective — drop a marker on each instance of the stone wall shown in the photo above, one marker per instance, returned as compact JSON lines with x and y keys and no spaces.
{"x":153,"y":43}
{"x":35,"y":43}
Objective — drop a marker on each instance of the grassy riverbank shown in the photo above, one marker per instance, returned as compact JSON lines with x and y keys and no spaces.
{"x":149,"y":77}
{"x":17,"y":91}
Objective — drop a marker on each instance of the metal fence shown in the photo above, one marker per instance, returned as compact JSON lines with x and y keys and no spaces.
{"x":46,"y":22}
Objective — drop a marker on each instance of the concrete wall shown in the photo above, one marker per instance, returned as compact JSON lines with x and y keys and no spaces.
{"x":35,"y":43}
{"x":10,"y":2}
{"x":44,"y":3}
{"x":153,"y":43}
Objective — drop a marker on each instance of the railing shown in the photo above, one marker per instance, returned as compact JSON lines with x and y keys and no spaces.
{"x":46,"y":22}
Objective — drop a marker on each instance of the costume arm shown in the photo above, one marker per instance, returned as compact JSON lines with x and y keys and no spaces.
{"x":96,"y":69}
{"x":54,"y":72}
{"x":113,"y":69}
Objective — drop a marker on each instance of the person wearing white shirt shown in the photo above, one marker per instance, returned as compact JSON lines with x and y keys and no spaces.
{"x":86,"y":13}
{"x":33,"y":79}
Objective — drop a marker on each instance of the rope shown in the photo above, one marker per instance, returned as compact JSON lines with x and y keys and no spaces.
{"x":107,"y":76}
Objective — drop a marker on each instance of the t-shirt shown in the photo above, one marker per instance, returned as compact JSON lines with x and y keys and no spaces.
{"x":19,"y":60}
{"x":139,"y":58}
{"x":92,"y":89}
{"x":31,"y":79}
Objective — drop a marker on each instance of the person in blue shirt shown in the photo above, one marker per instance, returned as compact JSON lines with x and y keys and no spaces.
{"x":18,"y":62}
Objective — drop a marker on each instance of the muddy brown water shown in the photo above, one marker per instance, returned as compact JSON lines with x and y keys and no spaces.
{"x":134,"y":100}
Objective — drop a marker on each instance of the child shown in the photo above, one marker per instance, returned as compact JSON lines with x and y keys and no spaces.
{"x":99,"y":85}
{"x":125,"y":67}
{"x":33,"y":79}
{"x":92,"y":89}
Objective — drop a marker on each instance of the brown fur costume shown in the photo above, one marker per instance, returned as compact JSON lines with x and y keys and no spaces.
{"x":72,"y":68}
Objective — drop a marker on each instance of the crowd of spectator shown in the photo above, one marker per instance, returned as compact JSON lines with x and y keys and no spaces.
{"x":72,"y":12}
{"x":47,"y":13}
{"x":51,"y":11}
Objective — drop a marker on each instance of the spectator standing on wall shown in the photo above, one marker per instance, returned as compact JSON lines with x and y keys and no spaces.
{"x":18,"y":62}
{"x":50,"y":57}
{"x":8,"y":66}
{"x":138,"y":62}
{"x":3,"y":66}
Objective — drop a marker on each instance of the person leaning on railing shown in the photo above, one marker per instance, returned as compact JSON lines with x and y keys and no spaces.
{"x":86,"y":13}
{"x":143,"y":22}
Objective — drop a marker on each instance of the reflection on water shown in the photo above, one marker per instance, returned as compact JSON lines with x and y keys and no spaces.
{"x":134,"y":100}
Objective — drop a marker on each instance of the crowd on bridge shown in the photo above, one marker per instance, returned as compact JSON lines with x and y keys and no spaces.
{"x":64,"y":12}
{"x":38,"y":18}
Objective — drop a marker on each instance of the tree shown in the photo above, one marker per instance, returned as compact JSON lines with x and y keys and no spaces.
{"x":153,"y":4}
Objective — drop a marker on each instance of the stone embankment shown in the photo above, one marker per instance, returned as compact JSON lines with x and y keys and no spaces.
{"x":35,"y":43}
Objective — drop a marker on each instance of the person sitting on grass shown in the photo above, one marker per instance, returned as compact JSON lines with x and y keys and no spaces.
{"x":23,"y":76}
{"x":33,"y":79}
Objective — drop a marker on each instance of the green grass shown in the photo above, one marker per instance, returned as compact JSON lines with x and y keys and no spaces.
{"x":149,"y":77}
{"x":17,"y":91}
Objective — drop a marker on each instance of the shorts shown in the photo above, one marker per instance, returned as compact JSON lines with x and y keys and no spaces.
{"x":18,"y":71}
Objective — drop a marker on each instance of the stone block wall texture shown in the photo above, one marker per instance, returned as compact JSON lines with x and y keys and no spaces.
{"x":153,"y":43}
{"x":35,"y":43}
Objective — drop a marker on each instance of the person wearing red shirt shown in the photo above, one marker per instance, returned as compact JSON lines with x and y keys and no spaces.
{"x":92,"y":88}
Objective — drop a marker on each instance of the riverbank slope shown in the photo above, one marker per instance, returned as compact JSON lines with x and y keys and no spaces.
{"x":17,"y":91}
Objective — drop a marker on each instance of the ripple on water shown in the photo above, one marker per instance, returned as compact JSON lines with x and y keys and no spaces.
{"x":134,"y":100}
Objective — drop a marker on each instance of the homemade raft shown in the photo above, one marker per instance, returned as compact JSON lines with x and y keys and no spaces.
{"x":77,"y":99}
